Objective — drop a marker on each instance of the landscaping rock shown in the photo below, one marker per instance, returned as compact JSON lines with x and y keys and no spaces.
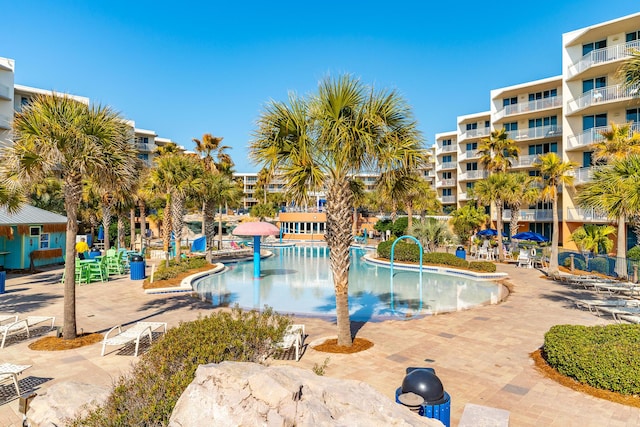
{"x":62,"y":401}
{"x":235,"y":393}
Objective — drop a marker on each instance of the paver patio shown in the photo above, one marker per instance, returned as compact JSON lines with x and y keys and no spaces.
{"x":481,"y":355}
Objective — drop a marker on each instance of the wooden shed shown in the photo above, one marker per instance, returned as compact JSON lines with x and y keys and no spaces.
{"x":31,"y":237}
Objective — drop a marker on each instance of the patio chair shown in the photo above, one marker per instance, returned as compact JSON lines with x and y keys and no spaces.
{"x":9,"y":373}
{"x":133,"y":334}
{"x":98,"y":270}
{"x":524,"y":260}
{"x":114,"y":262}
{"x":22,"y":326}
{"x":293,"y":338}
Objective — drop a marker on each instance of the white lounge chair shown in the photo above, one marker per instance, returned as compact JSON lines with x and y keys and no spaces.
{"x":23,"y":325}
{"x":9,"y":372}
{"x":293,"y":338}
{"x":133,"y":334}
{"x":594,"y":305}
{"x":524,"y":260}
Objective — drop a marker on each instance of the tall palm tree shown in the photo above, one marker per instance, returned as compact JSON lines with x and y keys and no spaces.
{"x":492,"y":190}
{"x":395,"y":185}
{"x":357,"y":189}
{"x":497,"y":151}
{"x":56,"y":135}
{"x":629,"y":70}
{"x":614,"y":190}
{"x":594,"y":238}
{"x":618,"y":143}
{"x":323,"y":141}
{"x":11,"y":192}
{"x":415,"y":196}
{"x":554,"y":173}
{"x":520,"y":192}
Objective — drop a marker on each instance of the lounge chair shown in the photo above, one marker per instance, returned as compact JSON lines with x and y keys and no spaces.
{"x":293,"y":338}
{"x":8,"y":318}
{"x":23,"y":325}
{"x":594,"y":305}
{"x":133,"y":334}
{"x":524,"y":260}
{"x":9,"y":372}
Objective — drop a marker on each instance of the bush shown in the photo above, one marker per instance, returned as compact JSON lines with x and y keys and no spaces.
{"x":178,"y":266}
{"x":605,"y":357}
{"x":600,"y":265}
{"x":399,"y":227}
{"x":634,"y":253}
{"x":578,"y":263}
{"x":403,"y":251}
{"x":147,"y":396}
{"x":445,"y":258}
{"x":482,"y":266}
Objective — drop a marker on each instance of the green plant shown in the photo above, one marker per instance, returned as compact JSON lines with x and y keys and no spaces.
{"x":605,"y":357}
{"x":403,"y":251}
{"x":634,"y":253}
{"x":600,"y":265}
{"x":179,"y":266}
{"x":147,"y":395}
{"x":578,"y":263}
{"x":399,"y":227}
{"x":320,"y":369}
{"x":445,"y":258}
{"x":482,"y":266}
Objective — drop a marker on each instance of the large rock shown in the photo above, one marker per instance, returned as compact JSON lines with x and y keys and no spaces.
{"x":62,"y":401}
{"x":249,"y":394}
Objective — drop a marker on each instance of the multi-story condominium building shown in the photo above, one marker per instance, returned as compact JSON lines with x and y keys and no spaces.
{"x":564,"y":114}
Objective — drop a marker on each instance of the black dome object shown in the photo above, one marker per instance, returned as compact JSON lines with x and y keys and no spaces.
{"x":136,"y":258}
{"x":426,"y":384}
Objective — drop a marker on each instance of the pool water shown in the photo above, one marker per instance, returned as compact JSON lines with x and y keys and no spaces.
{"x":298,"y":280}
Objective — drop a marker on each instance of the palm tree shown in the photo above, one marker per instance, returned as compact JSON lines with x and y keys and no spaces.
{"x":56,"y":135}
{"x":521,"y":191}
{"x":493,"y":190}
{"x":11,"y":192}
{"x":467,"y":220}
{"x":629,"y":71}
{"x":614,"y":190}
{"x":618,"y":143}
{"x":498,"y":151}
{"x":416,"y":195}
{"x":594,"y":238}
{"x":395,"y":185}
{"x":430,"y":232}
{"x":554,"y":173}
{"x":357,"y":189}
{"x":324,"y":141}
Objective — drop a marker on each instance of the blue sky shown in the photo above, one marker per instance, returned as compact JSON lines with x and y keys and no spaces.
{"x":188,"y":68}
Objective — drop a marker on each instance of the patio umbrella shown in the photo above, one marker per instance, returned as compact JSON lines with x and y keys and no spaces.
{"x":257,"y":230}
{"x":530,"y":236}
{"x":100,"y":233}
{"x":487,"y":232}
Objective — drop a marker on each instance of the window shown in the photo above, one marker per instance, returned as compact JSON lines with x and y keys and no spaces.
{"x":633,"y":115}
{"x":591,"y":84}
{"x":509,"y":101}
{"x":446,"y":192}
{"x":446,"y":143}
{"x":472,"y":126}
{"x":511,"y":126}
{"x":34,"y":231}
{"x":633,"y":36}
{"x":473,"y":166}
{"x":143,"y":156}
{"x":446,"y":159}
{"x":534,"y":173}
{"x":24,"y":100}
{"x":549,"y":147}
{"x":588,"y":47}
{"x":472,"y":146}
{"x":543,"y":121}
{"x":470,"y":185}
{"x":44,"y":241}
{"x":587,"y":158}
{"x":486,"y":123}
{"x":544,"y":94}
{"x":597,"y":120}
{"x":446,"y":175}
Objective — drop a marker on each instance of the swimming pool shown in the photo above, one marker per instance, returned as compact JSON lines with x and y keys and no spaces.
{"x":298,"y":280}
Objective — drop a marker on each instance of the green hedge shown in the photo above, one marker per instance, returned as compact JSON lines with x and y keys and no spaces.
{"x":599,"y":265}
{"x":578,"y":263}
{"x":483,"y":266}
{"x":410,"y":252}
{"x":445,"y":258}
{"x":605,"y":357}
{"x":147,"y":396}
{"x":403,"y":251}
{"x":177,"y":267}
{"x":634,"y":253}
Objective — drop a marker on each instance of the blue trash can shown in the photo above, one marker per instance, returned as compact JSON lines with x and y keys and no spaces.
{"x":136,"y":268}
{"x":461,"y":253}
{"x":3,"y":278}
{"x":424,"y":383}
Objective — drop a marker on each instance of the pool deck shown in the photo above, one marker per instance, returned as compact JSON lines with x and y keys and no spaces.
{"x":481,"y":355}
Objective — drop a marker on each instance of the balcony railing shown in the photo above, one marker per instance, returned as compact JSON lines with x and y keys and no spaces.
{"x":5,"y":122}
{"x":469,"y":175}
{"x":469,"y":154}
{"x":145,"y":147}
{"x":448,"y":199}
{"x":448,"y":149}
{"x":475,"y":133}
{"x":549,"y":131}
{"x":525,"y":161}
{"x":603,"y":94}
{"x":529,"y":215}
{"x":530,"y":106}
{"x":583,"y":175}
{"x":584,"y":215}
{"x":450,"y":182}
{"x":600,"y":56}
{"x":448,"y":165}
{"x":594,"y":135}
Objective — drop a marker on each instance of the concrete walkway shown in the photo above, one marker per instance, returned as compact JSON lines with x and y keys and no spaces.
{"x":481,"y":355}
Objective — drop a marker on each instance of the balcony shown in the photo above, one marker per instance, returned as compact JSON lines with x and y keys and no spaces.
{"x":468,"y":155}
{"x":447,"y":149}
{"x":582,"y":175}
{"x":448,"y":165}
{"x":5,"y":122}
{"x":476,"y":133}
{"x":525,"y":161}
{"x":594,"y":135}
{"x":530,"y":215}
{"x":530,"y":107}
{"x":448,"y":199}
{"x":145,"y":147}
{"x":602,"y":56}
{"x":472,"y":175}
{"x":5,"y":92}
{"x":464,"y":196}
{"x":602,"y":95}
{"x":586,"y":215}
{"x":549,"y":131}
{"x":450,"y":182}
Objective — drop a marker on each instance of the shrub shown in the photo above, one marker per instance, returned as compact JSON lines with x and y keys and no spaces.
{"x":399,"y":227}
{"x":600,"y":265}
{"x":578,"y":263}
{"x":605,"y":357}
{"x":446,"y":259}
{"x":634,"y":253}
{"x":176,"y":267}
{"x":147,"y":396}
{"x":403,"y":251}
{"x":483,"y":266}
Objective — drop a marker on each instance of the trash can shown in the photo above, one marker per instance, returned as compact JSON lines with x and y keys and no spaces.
{"x":136,"y":268}
{"x":423,"y":384}
{"x":3,"y":278}
{"x":461,"y":253}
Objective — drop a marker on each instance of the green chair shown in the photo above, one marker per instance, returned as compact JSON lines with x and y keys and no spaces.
{"x":98,"y":271}
{"x":82,"y":272}
{"x":114,"y":263}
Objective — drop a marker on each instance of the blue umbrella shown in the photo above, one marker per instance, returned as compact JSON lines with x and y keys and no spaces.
{"x":101,"y":233}
{"x":530,"y":236}
{"x":488,"y":232}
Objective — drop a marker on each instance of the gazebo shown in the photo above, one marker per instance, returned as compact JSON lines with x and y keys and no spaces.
{"x":257,"y":230}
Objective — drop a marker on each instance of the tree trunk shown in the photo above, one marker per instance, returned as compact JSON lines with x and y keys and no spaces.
{"x":409,"y":207}
{"x":166,"y":225}
{"x":621,"y":252}
{"x":143,"y":222}
{"x":132,"y":228}
{"x":553,"y":270}
{"x":106,"y":222}
{"x":354,"y":227}
{"x":209,"y":220}
{"x":515,"y":215}
{"x":338,"y":236}
{"x":220,"y":227}
{"x":177,"y":220}
{"x":121,"y":232}
{"x":499,"y":207}
{"x":72,"y":196}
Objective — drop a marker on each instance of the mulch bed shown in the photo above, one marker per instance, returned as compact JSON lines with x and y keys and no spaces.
{"x":57,"y":344}
{"x":549,"y":372}
{"x":331,"y":346}
{"x":174,"y":281}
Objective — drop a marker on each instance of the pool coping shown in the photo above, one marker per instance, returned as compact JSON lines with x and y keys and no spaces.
{"x":186,"y":283}
{"x":450,"y":271}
